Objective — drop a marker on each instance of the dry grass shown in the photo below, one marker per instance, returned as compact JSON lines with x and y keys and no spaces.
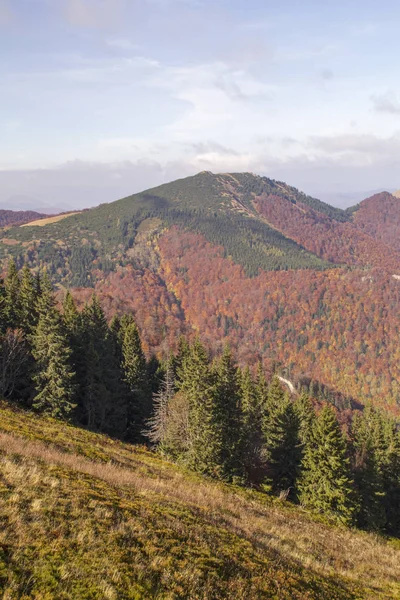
{"x":49,"y":220}
{"x":365,"y":565}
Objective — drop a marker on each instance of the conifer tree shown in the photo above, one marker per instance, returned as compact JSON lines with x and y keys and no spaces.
{"x":261,"y":388}
{"x":103,"y":402}
{"x":326,"y":484}
{"x":135,"y":376}
{"x":282,"y":442}
{"x":3,"y":307}
{"x":198,"y":386}
{"x":157,"y":426}
{"x":227,"y":412}
{"x":251,"y":428}
{"x":306,"y":414}
{"x":28,"y":301}
{"x":54,"y":377}
{"x":180,"y":357}
{"x":368,"y":468}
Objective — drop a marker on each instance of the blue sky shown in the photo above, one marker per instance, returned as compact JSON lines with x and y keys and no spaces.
{"x":101,"y":98}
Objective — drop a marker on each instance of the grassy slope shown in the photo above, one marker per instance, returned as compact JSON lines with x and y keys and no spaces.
{"x":83,"y":516}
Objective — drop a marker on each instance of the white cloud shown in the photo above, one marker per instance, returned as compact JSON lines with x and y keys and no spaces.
{"x":387,"y":103}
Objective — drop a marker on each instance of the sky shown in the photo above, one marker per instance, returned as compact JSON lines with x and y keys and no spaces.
{"x":103,"y":98}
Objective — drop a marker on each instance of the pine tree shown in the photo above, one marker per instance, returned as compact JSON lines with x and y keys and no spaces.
{"x":198,"y":387}
{"x":180,"y":357}
{"x":368,"y":468}
{"x":103,"y":402}
{"x":54,"y":378}
{"x":227,"y":413}
{"x":306,"y":414}
{"x":134,"y":368}
{"x":261,"y":388}
{"x":282,"y":442}
{"x":251,"y":428}
{"x":326,"y":485}
{"x":157,"y":426}
{"x":28,"y":301}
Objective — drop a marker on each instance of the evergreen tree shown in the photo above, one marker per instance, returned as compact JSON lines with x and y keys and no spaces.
{"x":54,"y":377}
{"x":368,"y":468}
{"x":136,"y":378}
{"x":326,"y":485}
{"x":282,"y":442}
{"x":27,"y":301}
{"x":306,"y":414}
{"x":261,"y":388}
{"x":227,"y":416}
{"x":103,"y":402}
{"x":180,"y":357}
{"x":157,"y":426}
{"x":197,"y":383}
{"x":251,"y":428}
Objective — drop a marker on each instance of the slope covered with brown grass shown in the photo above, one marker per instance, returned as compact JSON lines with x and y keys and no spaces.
{"x":83,"y":516}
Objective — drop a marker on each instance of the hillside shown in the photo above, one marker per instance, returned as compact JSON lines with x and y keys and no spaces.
{"x":9,"y":218}
{"x":241,"y":258}
{"x":84,"y":516}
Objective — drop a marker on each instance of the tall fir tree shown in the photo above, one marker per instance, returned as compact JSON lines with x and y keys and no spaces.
{"x":227,"y":414}
{"x":282,"y":446}
{"x":28,"y":299}
{"x":134,"y":368}
{"x":197,"y":383}
{"x":251,"y":428}
{"x":54,"y":377}
{"x":306,"y":414}
{"x":368,"y":447}
{"x":326,"y":485}
{"x":157,"y":426}
{"x":103,"y":403}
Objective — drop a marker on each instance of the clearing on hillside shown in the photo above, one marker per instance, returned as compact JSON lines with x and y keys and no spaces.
{"x":49,"y":220}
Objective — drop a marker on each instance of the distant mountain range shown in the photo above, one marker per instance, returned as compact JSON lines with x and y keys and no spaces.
{"x":241,"y":258}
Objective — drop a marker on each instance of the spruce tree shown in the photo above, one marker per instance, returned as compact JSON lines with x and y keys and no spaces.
{"x":281,"y":441}
{"x":197,"y":383}
{"x":103,"y":400}
{"x":227,"y":413}
{"x":368,"y":468}
{"x":28,"y":301}
{"x":251,"y":428}
{"x":157,"y":426}
{"x":326,"y":484}
{"x":306,"y":414}
{"x":54,"y":377}
{"x":134,"y":368}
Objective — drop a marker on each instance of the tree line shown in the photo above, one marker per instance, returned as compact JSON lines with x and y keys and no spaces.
{"x":208,"y":414}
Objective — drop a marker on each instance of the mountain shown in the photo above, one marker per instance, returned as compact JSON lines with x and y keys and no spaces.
{"x":237,"y":257}
{"x":397,"y":194}
{"x":86,"y":516}
{"x":12,"y":217}
{"x":23,"y":202}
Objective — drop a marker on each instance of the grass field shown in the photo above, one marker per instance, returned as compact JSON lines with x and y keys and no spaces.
{"x":83,"y":516}
{"x":49,"y":220}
